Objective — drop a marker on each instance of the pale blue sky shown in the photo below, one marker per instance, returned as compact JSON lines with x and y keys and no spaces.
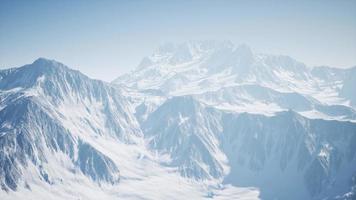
{"x":104,"y":39}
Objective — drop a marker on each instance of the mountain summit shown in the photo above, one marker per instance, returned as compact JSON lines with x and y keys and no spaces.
{"x":196,"y":120}
{"x":206,"y":68}
{"x":255,"y":117}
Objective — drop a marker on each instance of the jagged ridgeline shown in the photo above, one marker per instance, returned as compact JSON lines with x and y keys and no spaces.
{"x":198,"y":119}
{"x":36,"y":124}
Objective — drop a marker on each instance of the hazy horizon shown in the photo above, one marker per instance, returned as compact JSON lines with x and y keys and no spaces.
{"x":108,"y":38}
{"x":199,"y":99}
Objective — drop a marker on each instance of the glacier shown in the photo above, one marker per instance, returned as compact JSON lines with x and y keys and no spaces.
{"x":197,"y":120}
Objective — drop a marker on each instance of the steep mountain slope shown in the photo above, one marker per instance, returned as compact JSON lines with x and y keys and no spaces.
{"x":290,"y":155}
{"x":65,"y":136}
{"x":221,"y":112}
{"x":204,"y":61}
{"x":221,"y":68}
{"x":35,"y":124}
{"x":185,"y":130}
{"x":194,"y":121}
{"x":285,"y":156}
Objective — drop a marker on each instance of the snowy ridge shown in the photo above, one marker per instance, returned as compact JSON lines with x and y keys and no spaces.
{"x":252,"y":150}
{"x":64,"y":136}
{"x":198,"y":120}
{"x":222,"y":65}
{"x":186,"y":95}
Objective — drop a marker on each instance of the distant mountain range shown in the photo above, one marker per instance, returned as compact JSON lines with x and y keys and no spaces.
{"x":198,"y":120}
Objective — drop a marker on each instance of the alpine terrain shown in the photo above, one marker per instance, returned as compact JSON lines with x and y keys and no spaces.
{"x":197,"y":120}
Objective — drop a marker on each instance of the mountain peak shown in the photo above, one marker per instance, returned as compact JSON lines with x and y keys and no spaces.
{"x":41,"y":69}
{"x":194,"y":44}
{"x":44,"y":62}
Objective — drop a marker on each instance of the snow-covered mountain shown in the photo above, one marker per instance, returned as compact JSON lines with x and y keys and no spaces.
{"x":202,"y":119}
{"x":286,"y":156}
{"x":221,"y":111}
{"x":234,"y":78}
{"x":49,"y":109}
{"x":66,"y":136}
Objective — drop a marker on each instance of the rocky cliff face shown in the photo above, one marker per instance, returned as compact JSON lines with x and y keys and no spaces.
{"x":286,"y":155}
{"x":222,"y":111}
{"x":36,"y":124}
{"x":199,"y":119}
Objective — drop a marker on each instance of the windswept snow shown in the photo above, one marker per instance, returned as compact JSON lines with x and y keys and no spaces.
{"x":197,"y":120}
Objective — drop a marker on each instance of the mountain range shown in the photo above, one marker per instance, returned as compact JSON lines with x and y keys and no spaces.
{"x":197,"y":120}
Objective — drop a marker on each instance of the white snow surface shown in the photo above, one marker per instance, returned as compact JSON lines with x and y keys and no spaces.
{"x":142,"y":174}
{"x":162,"y":125}
{"x":213,"y":66}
